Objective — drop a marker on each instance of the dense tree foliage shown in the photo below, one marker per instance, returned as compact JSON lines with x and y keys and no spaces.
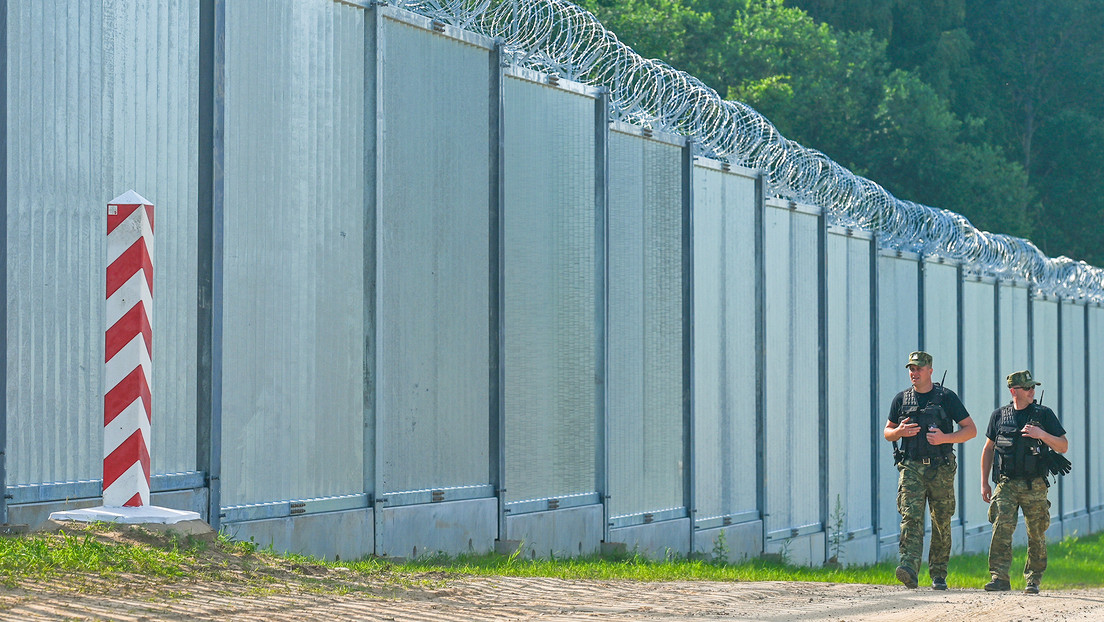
{"x":990,"y":108}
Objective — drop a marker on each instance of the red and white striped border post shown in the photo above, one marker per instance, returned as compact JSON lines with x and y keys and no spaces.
{"x":128,"y":352}
{"x":129,"y":341}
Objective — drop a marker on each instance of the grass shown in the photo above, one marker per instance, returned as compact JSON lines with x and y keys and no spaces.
{"x":105,"y":550}
{"x":46,"y":555}
{"x":1072,"y":563}
{"x":88,"y":557}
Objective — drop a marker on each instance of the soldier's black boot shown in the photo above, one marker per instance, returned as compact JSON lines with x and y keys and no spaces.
{"x":907,"y":576}
{"x":998,"y":585}
{"x":939,"y":583}
{"x":1032,"y":588}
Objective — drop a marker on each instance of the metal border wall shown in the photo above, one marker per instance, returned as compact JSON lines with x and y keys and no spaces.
{"x":749,"y":296}
{"x":434,"y":250}
{"x":979,"y":340}
{"x":850,"y":304}
{"x":794,"y":458}
{"x":1074,"y":416}
{"x":293,"y":259}
{"x":645,"y":332}
{"x":898,"y":331}
{"x":89,"y":99}
{"x":1094,"y":327}
{"x":724,"y":342}
{"x":1045,"y":365}
{"x":549,"y":318}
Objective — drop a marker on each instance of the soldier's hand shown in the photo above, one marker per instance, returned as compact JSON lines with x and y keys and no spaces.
{"x":907,"y":428}
{"x":1033,"y":431}
{"x":936,"y":436}
{"x":986,"y":492}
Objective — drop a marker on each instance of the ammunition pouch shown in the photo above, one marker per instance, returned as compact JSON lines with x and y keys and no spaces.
{"x":1022,"y":457}
{"x":932,"y":415}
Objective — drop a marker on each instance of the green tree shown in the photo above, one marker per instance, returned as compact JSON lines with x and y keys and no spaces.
{"x":940,"y":101}
{"x":1069,"y":161}
{"x":1044,"y":64}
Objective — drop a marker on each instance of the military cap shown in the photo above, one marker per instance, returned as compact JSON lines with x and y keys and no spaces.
{"x":920,"y":359}
{"x":1022,"y":379}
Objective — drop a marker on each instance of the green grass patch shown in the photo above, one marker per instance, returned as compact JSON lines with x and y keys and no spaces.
{"x":1073,"y":563}
{"x":49,"y":554}
{"x":98,"y":550}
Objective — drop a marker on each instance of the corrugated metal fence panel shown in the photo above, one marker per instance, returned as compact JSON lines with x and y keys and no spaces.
{"x":644,"y":334}
{"x":101,"y":100}
{"x":898,"y":334}
{"x":941,"y":321}
{"x":792,"y":394}
{"x":978,"y":352}
{"x":293,"y":365}
{"x":1044,"y":366}
{"x":433,"y":353}
{"x":550,"y":333}
{"x":1014,"y":331}
{"x":1095,"y":437}
{"x":1073,"y":414}
{"x":849,"y":352}
{"x":724,"y":345}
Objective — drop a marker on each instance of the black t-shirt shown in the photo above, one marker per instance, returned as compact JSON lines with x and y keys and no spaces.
{"x":1048,"y":421}
{"x":951,"y":404}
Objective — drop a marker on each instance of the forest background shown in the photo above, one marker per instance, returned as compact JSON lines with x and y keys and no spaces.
{"x":991,"y":108}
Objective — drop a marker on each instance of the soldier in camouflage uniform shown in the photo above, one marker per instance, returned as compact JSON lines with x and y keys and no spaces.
{"x":1020,"y":435}
{"x":922,"y":418}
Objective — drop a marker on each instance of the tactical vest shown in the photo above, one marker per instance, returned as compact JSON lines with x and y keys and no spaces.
{"x":1019,"y":456}
{"x":917,"y":447}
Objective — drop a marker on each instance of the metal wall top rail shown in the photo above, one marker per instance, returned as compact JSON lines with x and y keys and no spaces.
{"x":557,"y":37}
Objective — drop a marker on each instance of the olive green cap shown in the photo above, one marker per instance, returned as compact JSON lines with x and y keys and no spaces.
{"x":1022,"y":379}
{"x":920,"y":359}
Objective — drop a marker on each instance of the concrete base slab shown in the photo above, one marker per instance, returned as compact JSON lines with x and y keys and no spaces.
{"x":1019,"y":537}
{"x":450,"y":527}
{"x":1074,"y":526}
{"x":1055,"y":531}
{"x":806,"y":550}
{"x":569,"y":532}
{"x":185,"y":528}
{"x":958,"y":537}
{"x":889,"y":548}
{"x":977,"y":540}
{"x":663,"y":540}
{"x":35,"y":515}
{"x":328,"y":535}
{"x":144,"y":514}
{"x":737,"y":542}
{"x":1096,"y":520}
{"x":860,"y":551}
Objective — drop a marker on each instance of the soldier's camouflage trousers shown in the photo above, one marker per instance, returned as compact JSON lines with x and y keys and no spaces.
{"x":1012,"y":495}
{"x":931,"y":484}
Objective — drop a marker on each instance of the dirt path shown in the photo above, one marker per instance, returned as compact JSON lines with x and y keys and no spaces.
{"x":533,"y":599}
{"x":219,"y":581}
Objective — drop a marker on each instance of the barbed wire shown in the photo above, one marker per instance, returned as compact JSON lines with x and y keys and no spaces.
{"x":555,"y":36}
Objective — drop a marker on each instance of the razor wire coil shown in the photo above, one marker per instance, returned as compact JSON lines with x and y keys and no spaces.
{"x":557,"y":37}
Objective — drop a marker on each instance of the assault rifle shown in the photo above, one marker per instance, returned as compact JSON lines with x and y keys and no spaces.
{"x":1055,"y":462}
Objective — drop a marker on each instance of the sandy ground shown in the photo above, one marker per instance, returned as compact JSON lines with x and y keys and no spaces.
{"x":541,"y":599}
{"x":225,"y":583}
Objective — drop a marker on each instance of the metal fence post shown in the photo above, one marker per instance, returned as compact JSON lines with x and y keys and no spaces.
{"x":212,"y":41}
{"x":760,"y":350}
{"x":689,"y":475}
{"x":496,"y":285}
{"x":601,"y":292}
{"x":4,"y":259}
